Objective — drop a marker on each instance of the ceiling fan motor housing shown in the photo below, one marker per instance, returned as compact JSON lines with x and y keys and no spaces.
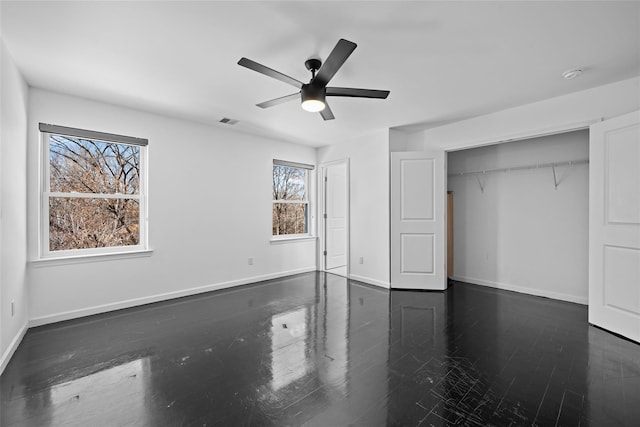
{"x":313,"y":92}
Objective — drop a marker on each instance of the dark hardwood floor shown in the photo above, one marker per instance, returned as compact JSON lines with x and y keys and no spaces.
{"x":315,"y":349}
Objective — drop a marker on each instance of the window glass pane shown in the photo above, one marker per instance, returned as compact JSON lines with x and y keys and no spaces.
{"x":289,"y":183}
{"x":88,"y":166}
{"x":290,"y":218}
{"x":80,"y":223}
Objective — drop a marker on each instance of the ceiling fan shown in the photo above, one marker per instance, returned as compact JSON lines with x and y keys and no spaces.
{"x":313,"y":94}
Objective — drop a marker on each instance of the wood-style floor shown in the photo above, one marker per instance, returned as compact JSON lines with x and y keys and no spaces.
{"x":318,"y":350}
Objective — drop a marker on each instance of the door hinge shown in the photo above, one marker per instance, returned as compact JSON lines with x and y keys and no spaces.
{"x":325,"y":179}
{"x":325,"y":216}
{"x":325,"y":253}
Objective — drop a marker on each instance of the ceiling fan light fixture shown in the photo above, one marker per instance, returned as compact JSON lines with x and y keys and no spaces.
{"x":313,"y":105}
{"x":312,"y":98}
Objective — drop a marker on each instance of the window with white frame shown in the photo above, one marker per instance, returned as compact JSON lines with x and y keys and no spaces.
{"x":93,"y":192}
{"x":290,"y":198}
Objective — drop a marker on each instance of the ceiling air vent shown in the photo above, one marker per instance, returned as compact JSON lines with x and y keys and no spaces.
{"x":572,"y":73}
{"x":228,"y":121}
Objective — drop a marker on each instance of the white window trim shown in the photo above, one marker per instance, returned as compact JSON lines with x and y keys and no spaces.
{"x":83,"y":255}
{"x":309,"y":177}
{"x":292,"y":238}
{"x":79,"y":259}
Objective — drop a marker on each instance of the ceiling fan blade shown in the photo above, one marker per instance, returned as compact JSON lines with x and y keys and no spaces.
{"x":327,"y":114}
{"x":278,"y":101}
{"x":334,"y":61}
{"x":252,"y":65}
{"x":357,"y":93}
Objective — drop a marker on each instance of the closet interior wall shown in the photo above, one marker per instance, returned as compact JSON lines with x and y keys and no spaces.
{"x":522,"y":225}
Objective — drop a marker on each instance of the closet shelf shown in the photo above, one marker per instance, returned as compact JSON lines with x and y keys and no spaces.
{"x":518,"y":168}
{"x":553,"y":166}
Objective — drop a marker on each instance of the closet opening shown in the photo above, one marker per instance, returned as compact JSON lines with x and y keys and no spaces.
{"x":520,"y":215}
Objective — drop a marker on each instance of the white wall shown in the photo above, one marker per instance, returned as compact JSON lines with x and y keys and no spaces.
{"x":402,"y":141}
{"x":13,"y":207}
{"x":521,"y":233}
{"x":209,"y":210}
{"x":369,"y":205}
{"x":572,"y":111}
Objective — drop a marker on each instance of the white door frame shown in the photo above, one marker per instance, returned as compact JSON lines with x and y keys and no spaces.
{"x":321,"y":206}
{"x":530,"y":134}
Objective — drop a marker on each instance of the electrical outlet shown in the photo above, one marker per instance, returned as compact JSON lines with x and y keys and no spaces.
{"x":13,"y":308}
{"x":361,"y":260}
{"x":250,"y":260}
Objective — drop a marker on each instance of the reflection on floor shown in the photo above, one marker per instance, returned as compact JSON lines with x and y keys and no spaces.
{"x":340,"y":271}
{"x":319,"y":350}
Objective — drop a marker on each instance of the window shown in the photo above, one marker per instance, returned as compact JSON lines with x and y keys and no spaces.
{"x":93,"y":192}
{"x":290,"y":198}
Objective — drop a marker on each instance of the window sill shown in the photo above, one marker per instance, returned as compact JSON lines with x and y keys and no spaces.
{"x":79,"y":259}
{"x":293,"y":239}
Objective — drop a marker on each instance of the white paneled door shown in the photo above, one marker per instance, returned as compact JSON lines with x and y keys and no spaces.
{"x":418,"y":225}
{"x":614,"y":225}
{"x":335,"y":186}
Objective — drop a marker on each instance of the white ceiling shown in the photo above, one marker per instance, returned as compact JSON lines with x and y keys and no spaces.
{"x":442,"y":61}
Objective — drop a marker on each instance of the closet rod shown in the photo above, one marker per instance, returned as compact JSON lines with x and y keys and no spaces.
{"x":516,"y":168}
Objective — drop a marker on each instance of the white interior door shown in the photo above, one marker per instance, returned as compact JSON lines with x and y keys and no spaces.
{"x":418,"y":224}
{"x":335,"y":205}
{"x":614,"y":225}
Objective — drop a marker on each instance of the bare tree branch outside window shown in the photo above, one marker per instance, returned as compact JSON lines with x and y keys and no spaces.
{"x":80,"y":168}
{"x":290,"y":201}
